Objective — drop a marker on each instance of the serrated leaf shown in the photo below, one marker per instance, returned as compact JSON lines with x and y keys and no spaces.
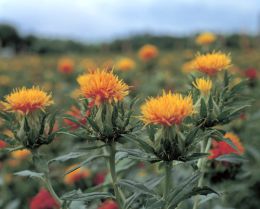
{"x":196,"y":156}
{"x":136,"y":186}
{"x":139,"y":155}
{"x":232,"y":158}
{"x":144,"y":145}
{"x":93,"y":125}
{"x":191,"y":135}
{"x":79,"y":196}
{"x":178,"y":191}
{"x":195,"y":191}
{"x":52,"y":120}
{"x":85,"y":162}
{"x":69,"y":156}
{"x":76,"y":121}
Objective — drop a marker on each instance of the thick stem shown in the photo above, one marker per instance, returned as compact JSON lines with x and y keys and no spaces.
{"x":113,"y":173}
{"x":201,"y":165}
{"x":168,"y":178}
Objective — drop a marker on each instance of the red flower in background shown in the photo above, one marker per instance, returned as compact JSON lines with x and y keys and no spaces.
{"x":75,"y":112}
{"x":109,"y":204}
{"x":222,"y":148}
{"x":2,"y":144}
{"x":44,"y":200}
{"x":99,"y":178}
{"x":251,"y":73}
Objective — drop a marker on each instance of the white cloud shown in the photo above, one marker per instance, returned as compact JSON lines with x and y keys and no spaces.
{"x":103,"y":19}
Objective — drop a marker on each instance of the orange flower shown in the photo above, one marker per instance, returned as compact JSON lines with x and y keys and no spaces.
{"x":222,"y":148}
{"x":167,"y":110}
{"x":148,"y":52}
{"x":66,"y":65}
{"x":77,"y":175}
{"x":212,"y":63}
{"x":27,"y":100}
{"x":125,"y":64}
{"x":102,"y":86}
{"x":20,"y":154}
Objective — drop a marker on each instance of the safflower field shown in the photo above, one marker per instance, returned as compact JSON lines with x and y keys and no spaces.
{"x":145,"y":129}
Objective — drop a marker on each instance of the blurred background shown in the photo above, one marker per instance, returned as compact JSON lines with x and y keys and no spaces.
{"x":85,"y":25}
{"x":51,"y":42}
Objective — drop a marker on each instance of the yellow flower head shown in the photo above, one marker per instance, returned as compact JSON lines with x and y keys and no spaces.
{"x":167,"y":110}
{"x":203,"y":85}
{"x":148,"y":52}
{"x":212,"y":63}
{"x":27,"y":100}
{"x":205,"y":38}
{"x":77,"y":175}
{"x":125,"y":64}
{"x":102,"y":86}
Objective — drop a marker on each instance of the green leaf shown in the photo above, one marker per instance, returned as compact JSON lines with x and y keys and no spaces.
{"x":144,"y":145}
{"x":136,"y":186}
{"x":191,"y":136}
{"x":238,"y":88}
{"x":232,"y":158}
{"x":180,"y":189}
{"x":203,"y":108}
{"x":41,"y":131}
{"x":31,"y":174}
{"x":79,"y":196}
{"x":76,"y":121}
{"x":69,"y":156}
{"x":151,"y":183}
{"x":226,"y":79}
{"x":114,"y":116}
{"x":6,"y":139}
{"x":52,"y":120}
{"x":237,"y":111}
{"x":130,"y":200}
{"x":210,"y":104}
{"x":196,"y":156}
{"x":93,"y":125}
{"x":5,"y":116}
{"x":138,"y":155}
{"x":85,"y":162}
{"x":26,"y":126}
{"x":195,"y":191}
{"x":156,"y":204}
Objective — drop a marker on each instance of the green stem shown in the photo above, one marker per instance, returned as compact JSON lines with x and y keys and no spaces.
{"x":201,"y":165}
{"x":51,"y":190}
{"x":42,"y":167}
{"x":168,"y":178}
{"x":113,"y":173}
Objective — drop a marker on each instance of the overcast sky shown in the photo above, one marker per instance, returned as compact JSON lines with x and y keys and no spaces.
{"x":95,"y":20}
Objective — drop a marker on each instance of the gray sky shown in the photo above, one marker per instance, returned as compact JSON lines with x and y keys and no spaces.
{"x":95,"y":20}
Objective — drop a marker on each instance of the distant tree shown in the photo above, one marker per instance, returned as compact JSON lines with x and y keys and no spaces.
{"x":9,"y":36}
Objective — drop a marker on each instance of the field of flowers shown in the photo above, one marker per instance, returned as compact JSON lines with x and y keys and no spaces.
{"x":150,"y":129}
